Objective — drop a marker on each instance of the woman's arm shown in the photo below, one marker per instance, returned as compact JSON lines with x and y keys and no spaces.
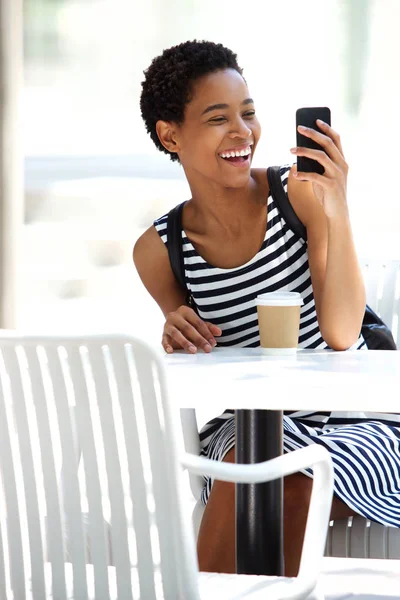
{"x":150,"y":257}
{"x":320,"y":202}
{"x":183,"y":328}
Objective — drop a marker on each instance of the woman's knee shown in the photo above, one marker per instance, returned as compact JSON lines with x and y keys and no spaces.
{"x":297,"y":492}
{"x":229,"y":456}
{"x":223,"y":492}
{"x":297,"y":487}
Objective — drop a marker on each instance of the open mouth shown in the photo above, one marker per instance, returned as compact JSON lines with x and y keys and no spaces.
{"x":237,"y":157}
{"x":237,"y":160}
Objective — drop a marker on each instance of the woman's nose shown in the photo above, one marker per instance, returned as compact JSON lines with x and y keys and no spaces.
{"x":240,"y":129}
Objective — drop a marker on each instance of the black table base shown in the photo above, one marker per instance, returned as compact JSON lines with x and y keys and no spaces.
{"x":259,"y":507}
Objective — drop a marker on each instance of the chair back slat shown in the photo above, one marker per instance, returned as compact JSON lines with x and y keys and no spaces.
{"x":85,"y":425}
{"x":386,"y":303}
{"x":70,"y":485}
{"x":3,"y":580}
{"x":359,"y":538}
{"x":39,"y":397}
{"x":26,"y":389}
{"x":160,"y":471}
{"x":393,"y":543}
{"x":339,"y":539}
{"x":371,"y":272}
{"x":107,"y":404}
{"x":162,"y":426}
{"x":23,"y":412}
{"x":11,"y":519}
{"x":396,"y":315}
{"x":382,"y":284}
{"x":377,"y":541}
{"x":141,"y":522}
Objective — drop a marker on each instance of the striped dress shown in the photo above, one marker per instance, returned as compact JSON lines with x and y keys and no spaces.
{"x":365,"y":447}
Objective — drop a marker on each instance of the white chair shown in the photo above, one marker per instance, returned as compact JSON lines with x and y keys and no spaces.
{"x":354,"y":537}
{"x":382,"y":283}
{"x":130,"y":443}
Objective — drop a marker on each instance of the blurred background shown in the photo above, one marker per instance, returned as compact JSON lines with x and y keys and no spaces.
{"x":93,"y":180}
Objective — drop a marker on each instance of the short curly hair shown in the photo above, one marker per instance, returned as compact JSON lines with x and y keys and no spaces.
{"x":169,"y":79}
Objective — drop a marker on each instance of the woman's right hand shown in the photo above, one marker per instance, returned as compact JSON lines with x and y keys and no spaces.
{"x":184,"y":329}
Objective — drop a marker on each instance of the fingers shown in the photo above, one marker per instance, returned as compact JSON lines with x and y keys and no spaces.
{"x":327,"y":129}
{"x":215,"y":330}
{"x":184,"y":329}
{"x":325,"y":182}
{"x":319,"y":155}
{"x":328,"y":139}
{"x":166,"y":343}
{"x":184,"y":340}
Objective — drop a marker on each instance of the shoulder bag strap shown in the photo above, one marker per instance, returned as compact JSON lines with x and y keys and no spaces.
{"x":376,"y":333}
{"x":175,"y":252}
{"x":279,"y":195}
{"x":174,"y":244}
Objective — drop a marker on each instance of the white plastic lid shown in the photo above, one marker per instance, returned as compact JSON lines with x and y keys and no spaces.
{"x":279,"y":299}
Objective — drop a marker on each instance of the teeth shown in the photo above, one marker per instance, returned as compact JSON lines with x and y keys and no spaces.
{"x":244,"y":152}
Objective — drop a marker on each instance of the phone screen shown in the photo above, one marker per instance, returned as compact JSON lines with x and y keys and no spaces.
{"x":308,"y":118}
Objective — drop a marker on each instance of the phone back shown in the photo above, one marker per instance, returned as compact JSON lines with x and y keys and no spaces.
{"x":308,"y":117}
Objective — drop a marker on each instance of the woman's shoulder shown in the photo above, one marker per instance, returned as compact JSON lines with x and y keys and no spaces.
{"x":160,"y":225}
{"x":299,"y":194}
{"x":262,"y":171}
{"x":152,"y":263}
{"x":148,"y":242}
{"x":161,"y":222}
{"x":260,"y":174}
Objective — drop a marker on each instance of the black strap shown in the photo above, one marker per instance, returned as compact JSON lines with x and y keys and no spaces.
{"x":174,"y":244}
{"x":376,"y":334}
{"x":174,"y":224}
{"x":279,"y":195}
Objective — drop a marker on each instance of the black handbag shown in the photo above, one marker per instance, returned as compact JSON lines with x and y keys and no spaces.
{"x":375,"y":332}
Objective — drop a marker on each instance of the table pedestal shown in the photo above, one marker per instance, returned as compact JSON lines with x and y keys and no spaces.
{"x":259,"y":507}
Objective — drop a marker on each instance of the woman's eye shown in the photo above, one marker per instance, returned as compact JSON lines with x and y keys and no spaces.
{"x":219,"y":120}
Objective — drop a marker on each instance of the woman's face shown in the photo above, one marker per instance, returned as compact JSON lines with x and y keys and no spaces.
{"x":220,"y":131}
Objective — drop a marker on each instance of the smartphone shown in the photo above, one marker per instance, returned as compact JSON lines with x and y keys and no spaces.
{"x":308,"y":118}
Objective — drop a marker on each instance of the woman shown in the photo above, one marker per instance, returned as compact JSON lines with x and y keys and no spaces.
{"x":198,"y":110}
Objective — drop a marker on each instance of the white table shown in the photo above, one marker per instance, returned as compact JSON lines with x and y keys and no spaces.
{"x":312,"y":379}
{"x":249,"y":381}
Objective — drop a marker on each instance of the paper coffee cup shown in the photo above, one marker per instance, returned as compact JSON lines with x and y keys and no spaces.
{"x":279,"y":321}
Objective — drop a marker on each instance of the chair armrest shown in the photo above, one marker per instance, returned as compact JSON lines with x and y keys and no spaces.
{"x":259,"y":472}
{"x":314,"y":456}
{"x":191,"y":442}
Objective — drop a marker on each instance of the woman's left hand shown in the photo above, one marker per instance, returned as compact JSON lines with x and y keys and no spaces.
{"x":331,"y":187}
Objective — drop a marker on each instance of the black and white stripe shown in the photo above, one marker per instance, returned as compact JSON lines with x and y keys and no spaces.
{"x":365,"y":455}
{"x":365,"y":447}
{"x":226,"y":296}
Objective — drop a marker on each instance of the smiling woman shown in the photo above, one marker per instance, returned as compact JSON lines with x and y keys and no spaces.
{"x":214,"y":133}
{"x":236,"y":244}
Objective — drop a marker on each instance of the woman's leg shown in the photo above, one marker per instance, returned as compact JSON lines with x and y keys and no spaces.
{"x":216,"y":541}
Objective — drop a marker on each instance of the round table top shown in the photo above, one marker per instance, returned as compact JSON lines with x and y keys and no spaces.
{"x":367,"y":381}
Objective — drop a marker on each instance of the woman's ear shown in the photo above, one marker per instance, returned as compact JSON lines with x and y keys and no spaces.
{"x":167,"y":135}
